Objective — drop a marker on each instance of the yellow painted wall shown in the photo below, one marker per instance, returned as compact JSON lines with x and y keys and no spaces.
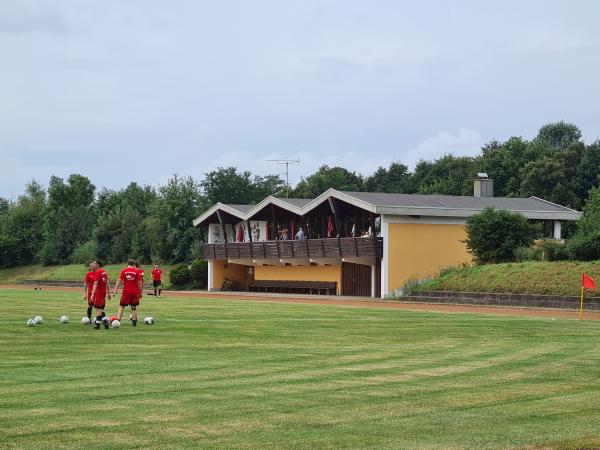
{"x":422,"y":250}
{"x":223,"y":269}
{"x":300,"y":273}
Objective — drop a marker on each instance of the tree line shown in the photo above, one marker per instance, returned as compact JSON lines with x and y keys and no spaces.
{"x":73,"y":221}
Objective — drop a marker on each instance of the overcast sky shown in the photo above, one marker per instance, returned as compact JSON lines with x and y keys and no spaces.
{"x":137,"y":90}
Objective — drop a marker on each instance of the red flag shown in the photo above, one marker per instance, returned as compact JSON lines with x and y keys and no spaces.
{"x":330,"y":227}
{"x":588,"y":282}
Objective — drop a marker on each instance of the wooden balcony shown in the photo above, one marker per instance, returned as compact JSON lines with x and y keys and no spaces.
{"x":306,"y":249}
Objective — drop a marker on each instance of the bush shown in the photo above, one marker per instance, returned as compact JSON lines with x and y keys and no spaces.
{"x":231,"y":284}
{"x":552,"y":250}
{"x":493,"y":235}
{"x":585,"y":248}
{"x":180,"y":276}
{"x":522,"y":254}
{"x":199,"y":274}
{"x":85,"y":252}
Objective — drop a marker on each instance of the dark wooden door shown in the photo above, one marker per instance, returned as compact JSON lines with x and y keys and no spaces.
{"x":356,"y":280}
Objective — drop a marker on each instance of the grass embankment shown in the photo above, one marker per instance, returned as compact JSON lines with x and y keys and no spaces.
{"x":71,"y":272}
{"x":552,"y":278}
{"x":244,"y":374}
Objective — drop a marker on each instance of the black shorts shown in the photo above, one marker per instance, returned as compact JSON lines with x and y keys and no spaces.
{"x":156,"y":283}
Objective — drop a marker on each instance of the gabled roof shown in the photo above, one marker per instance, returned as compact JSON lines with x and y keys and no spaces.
{"x":407,"y":205}
{"x":235,"y":210}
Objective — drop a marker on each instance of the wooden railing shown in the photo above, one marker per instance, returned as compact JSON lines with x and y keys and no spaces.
{"x":301,"y":249}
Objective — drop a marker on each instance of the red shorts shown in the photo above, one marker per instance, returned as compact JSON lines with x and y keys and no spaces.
{"x":90,"y":300}
{"x":100,"y":300}
{"x":129,"y":300}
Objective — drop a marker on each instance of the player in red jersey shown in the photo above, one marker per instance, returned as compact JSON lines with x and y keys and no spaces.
{"x":88,"y":286}
{"x":99,"y":293}
{"x":157,"y":280}
{"x":142,"y":273}
{"x":131,"y":279}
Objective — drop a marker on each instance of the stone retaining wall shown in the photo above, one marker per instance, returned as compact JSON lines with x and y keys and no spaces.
{"x":514,"y":300}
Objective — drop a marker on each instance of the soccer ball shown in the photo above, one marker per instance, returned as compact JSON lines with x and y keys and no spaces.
{"x":64,"y":319}
{"x":31,"y":323}
{"x":38,"y":320}
{"x":149,"y":320}
{"x":115,"y":324}
{"x":112,"y":318}
{"x":85,"y":320}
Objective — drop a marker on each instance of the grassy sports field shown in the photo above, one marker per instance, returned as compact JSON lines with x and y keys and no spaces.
{"x":246,"y":374}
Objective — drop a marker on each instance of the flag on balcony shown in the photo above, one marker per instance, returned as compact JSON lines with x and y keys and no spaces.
{"x":330,"y":227}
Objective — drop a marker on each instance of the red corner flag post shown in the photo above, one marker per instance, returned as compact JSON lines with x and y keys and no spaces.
{"x":587,"y":282}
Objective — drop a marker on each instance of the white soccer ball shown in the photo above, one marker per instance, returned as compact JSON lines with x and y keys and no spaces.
{"x":38,"y":320}
{"x":115,"y":324}
{"x":149,"y":320}
{"x":64,"y":319}
{"x":31,"y":323}
{"x":85,"y":320}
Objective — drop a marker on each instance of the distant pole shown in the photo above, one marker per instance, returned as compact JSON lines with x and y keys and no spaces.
{"x":581,"y":305}
{"x":286,"y":163}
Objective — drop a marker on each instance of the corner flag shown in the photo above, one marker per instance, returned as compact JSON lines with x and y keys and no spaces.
{"x":587,"y":282}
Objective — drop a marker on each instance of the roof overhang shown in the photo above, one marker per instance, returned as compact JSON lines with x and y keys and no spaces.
{"x":437,"y":211}
{"x":218,"y":207}
{"x":463,"y":212}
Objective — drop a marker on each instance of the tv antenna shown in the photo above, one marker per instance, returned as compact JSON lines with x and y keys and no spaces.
{"x":286,"y":163}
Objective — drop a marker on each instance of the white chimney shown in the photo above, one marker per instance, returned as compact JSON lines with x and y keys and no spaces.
{"x":483,"y":186}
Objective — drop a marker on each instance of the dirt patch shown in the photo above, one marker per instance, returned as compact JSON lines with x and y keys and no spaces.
{"x":411,"y":306}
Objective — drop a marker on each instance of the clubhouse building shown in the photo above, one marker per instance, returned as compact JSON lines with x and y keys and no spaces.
{"x":351,"y":243}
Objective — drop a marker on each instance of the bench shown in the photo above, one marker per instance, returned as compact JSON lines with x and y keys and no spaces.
{"x":294,"y":287}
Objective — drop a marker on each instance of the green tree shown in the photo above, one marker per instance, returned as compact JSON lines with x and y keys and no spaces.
{"x":588,"y":170}
{"x":21,"y":233}
{"x":171,"y":233}
{"x":494,"y":235}
{"x":325,"y":178}
{"x":226,"y":185}
{"x":590,"y":219}
{"x":396,"y":178}
{"x":262,"y":187}
{"x":503,"y":162}
{"x":69,"y":219}
{"x":554,"y":178}
{"x":558,"y":135}
{"x":449,"y":175}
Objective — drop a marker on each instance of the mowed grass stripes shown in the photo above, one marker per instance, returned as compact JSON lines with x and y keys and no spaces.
{"x":248,"y":374}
